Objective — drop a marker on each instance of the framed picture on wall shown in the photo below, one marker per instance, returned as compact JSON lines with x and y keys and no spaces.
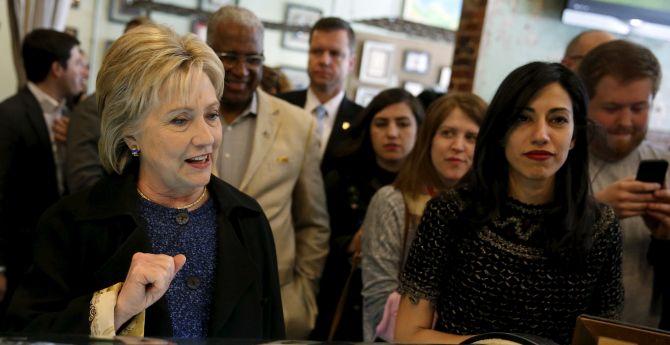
{"x":416,"y":61}
{"x":214,"y":5}
{"x":445,"y":78}
{"x":365,"y":94}
{"x":376,"y":63}
{"x":297,"y":76}
{"x":121,"y":11}
{"x":299,"y":15}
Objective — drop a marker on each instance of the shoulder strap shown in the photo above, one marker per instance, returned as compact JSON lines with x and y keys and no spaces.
{"x":414,"y":207}
{"x":408,"y":218}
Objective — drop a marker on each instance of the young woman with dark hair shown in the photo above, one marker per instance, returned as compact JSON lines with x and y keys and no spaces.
{"x":384,"y":137}
{"x":442,"y":155}
{"x":521,"y":246}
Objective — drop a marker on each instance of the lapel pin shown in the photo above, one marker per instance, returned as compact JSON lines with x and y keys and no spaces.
{"x":282,"y":159}
{"x":345,"y":125}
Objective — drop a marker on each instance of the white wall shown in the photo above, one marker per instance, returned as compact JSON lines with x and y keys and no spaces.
{"x":81,"y":18}
{"x":520,"y":31}
{"x":95,"y":30}
{"x":8,"y":81}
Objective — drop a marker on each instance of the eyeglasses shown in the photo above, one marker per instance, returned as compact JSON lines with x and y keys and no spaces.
{"x":253,"y":60}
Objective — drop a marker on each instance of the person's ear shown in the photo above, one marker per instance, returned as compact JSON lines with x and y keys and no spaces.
{"x":568,"y":62}
{"x":131,"y":141}
{"x":572,"y":142}
{"x":56,"y":69}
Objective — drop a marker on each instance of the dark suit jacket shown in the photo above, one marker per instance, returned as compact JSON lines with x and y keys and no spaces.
{"x":347,"y":112}
{"x":82,"y":163}
{"x":86,"y":242}
{"x":659,"y":257}
{"x":28,"y":182}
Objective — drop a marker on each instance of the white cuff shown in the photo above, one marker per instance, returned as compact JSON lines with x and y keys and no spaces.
{"x":101,"y":315}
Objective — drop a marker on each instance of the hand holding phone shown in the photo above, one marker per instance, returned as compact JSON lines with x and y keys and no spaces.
{"x":657,"y":213}
{"x":652,"y":170}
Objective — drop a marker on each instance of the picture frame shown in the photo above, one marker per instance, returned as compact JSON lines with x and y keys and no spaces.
{"x":297,"y":76}
{"x":444,"y":79}
{"x":365,"y":94}
{"x":214,"y":5}
{"x":413,"y":87}
{"x":180,"y":3}
{"x":121,"y":11}
{"x":593,"y":330}
{"x":376,"y":63}
{"x":299,"y":15}
{"x":416,"y":61}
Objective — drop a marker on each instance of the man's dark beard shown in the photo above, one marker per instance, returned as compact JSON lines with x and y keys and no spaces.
{"x":599,"y":146}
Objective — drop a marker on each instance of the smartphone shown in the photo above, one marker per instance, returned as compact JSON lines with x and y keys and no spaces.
{"x":652,"y":170}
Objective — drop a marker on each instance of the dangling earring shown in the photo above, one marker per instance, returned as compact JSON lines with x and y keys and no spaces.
{"x":135,"y":151}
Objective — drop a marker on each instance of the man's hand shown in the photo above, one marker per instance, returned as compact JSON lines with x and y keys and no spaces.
{"x":149,"y":277}
{"x":628,"y":197}
{"x":657,"y":217}
{"x":60,"y":127}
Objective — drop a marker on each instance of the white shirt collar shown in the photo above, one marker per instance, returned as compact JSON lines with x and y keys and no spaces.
{"x":332,"y":105}
{"x":48,"y":104}
{"x":253,"y":106}
{"x":249,"y":112}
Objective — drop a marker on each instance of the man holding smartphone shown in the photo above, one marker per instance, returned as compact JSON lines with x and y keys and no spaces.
{"x":622,"y":79}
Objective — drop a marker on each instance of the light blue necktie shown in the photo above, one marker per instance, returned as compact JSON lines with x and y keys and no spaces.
{"x":320,"y":113}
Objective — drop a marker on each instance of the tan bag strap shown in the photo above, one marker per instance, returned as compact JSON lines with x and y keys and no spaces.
{"x":408,"y":218}
{"x":414,"y":207}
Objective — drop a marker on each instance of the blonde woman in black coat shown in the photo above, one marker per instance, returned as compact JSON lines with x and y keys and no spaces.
{"x":160,"y":247}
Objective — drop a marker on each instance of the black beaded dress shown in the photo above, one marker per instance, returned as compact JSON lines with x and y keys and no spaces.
{"x":499,"y":277}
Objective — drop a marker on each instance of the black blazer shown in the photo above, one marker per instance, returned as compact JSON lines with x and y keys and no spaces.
{"x":347,"y":112}
{"x":28,"y":182}
{"x":658,"y":256}
{"x":86,"y":242}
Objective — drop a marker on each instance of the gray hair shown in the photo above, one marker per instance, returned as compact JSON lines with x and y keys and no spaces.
{"x":233,"y":15}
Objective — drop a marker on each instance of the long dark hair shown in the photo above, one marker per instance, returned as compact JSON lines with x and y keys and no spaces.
{"x":573,"y":213}
{"x":361,"y":143}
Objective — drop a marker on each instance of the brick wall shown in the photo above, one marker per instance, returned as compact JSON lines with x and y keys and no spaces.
{"x":467,"y":45}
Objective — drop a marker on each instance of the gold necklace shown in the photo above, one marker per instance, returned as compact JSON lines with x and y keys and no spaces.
{"x":185,"y":207}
